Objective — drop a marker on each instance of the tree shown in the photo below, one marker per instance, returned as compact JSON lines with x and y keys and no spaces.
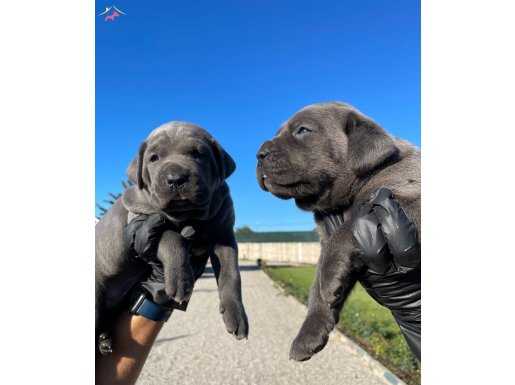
{"x":245,"y":230}
{"x":112,"y":198}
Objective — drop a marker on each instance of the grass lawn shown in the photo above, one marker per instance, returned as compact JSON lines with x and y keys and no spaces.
{"x":365,"y":321}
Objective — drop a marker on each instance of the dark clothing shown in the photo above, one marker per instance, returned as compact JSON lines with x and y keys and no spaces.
{"x":391,"y":251}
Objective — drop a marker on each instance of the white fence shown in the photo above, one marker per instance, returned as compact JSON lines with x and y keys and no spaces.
{"x":284,"y":252}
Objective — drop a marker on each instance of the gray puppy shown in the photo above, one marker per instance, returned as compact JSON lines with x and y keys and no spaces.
{"x":331,"y":158}
{"x":180,"y":172}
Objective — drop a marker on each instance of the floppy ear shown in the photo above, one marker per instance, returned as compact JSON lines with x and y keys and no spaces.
{"x":135,"y":169}
{"x":369,"y":145}
{"x":224,"y":161}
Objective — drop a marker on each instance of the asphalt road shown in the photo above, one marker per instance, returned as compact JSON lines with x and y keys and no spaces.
{"x":194,"y":348}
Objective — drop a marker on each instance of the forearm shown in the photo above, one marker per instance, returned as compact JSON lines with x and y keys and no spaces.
{"x":133,"y":338}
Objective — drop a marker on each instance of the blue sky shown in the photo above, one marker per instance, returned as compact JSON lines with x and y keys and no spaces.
{"x":241,"y":68}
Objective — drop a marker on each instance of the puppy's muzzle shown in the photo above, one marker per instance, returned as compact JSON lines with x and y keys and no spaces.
{"x":263,"y":154}
{"x":264,"y":151}
{"x":266,"y":154}
{"x":176,"y":179}
{"x":271,"y":160}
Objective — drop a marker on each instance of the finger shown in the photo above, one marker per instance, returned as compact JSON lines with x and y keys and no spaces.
{"x":363,"y":209}
{"x":131,"y":231}
{"x":382,"y":194}
{"x":366,"y":233}
{"x":372,"y":243}
{"x":155,"y":220}
{"x":387,"y":212}
{"x":332,"y":222}
{"x":399,"y":231}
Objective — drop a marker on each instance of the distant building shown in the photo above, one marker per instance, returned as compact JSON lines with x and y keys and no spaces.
{"x":246,"y":234}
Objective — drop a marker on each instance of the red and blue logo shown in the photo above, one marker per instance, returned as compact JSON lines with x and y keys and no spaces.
{"x":111,"y":13}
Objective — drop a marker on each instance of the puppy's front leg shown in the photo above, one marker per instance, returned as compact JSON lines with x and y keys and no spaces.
{"x":178,"y":273}
{"x":335,"y":278}
{"x":340,"y":266}
{"x":320,"y":320}
{"x":225,"y":266}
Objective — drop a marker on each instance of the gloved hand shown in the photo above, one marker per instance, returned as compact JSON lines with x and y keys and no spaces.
{"x":391,"y":251}
{"x":386,"y":235}
{"x":166,"y":283}
{"x":155,"y":285}
{"x":144,"y":233}
{"x":142,"y":236}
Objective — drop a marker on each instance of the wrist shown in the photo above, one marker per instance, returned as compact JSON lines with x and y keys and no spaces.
{"x":143,"y":305}
{"x":144,"y":329}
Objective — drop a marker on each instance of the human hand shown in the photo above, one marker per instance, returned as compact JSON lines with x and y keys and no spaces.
{"x":386,"y":236}
{"x":156,"y":241}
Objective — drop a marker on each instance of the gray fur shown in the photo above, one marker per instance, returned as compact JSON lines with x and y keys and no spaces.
{"x":202,"y":202}
{"x":349,"y":156}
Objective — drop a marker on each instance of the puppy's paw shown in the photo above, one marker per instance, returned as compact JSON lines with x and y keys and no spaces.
{"x":311,"y":339}
{"x":105,"y":345}
{"x":179,"y":284}
{"x":235,"y":319}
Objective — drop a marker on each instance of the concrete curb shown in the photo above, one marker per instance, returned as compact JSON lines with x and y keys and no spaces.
{"x":386,"y":375}
{"x":375,"y":366}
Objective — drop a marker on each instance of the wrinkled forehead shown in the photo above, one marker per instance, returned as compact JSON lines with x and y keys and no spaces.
{"x":316,"y":115}
{"x":177,"y":132}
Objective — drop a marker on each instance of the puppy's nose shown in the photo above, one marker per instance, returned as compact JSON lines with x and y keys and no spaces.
{"x":176,"y":180}
{"x":264,"y":151}
{"x":263,"y":154}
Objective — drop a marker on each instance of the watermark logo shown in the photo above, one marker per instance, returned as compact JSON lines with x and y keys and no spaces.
{"x":111,"y":13}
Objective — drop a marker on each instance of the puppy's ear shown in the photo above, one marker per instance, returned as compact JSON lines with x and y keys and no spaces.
{"x":369,"y":145}
{"x":135,"y":169}
{"x":224,"y":161}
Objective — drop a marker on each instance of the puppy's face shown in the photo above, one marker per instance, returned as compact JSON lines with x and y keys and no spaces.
{"x":180,"y":166}
{"x":323,"y":147}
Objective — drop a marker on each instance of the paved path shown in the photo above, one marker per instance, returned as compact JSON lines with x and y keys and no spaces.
{"x":194,"y":348}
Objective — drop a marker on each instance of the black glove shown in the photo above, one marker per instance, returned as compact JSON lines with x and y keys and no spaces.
{"x":387,"y":237}
{"x":143,"y":234}
{"x":391,"y":251}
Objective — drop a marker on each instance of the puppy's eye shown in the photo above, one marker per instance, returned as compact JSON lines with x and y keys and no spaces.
{"x":154,"y":158}
{"x":303,"y":130}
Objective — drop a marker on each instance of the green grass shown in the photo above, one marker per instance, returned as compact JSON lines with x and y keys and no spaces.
{"x":365,"y":321}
